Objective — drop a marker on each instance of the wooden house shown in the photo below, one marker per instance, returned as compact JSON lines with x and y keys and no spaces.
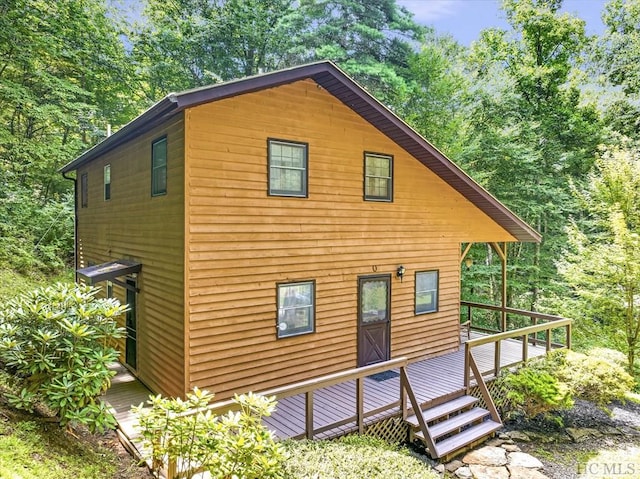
{"x":277,"y":228}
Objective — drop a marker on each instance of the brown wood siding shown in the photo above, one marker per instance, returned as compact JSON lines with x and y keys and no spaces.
{"x":134,"y":225}
{"x":241,"y":242}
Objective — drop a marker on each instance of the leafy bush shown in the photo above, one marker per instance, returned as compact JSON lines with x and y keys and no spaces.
{"x":548,"y":384}
{"x":57,"y":342}
{"x":235,"y":445}
{"x":353,"y":457}
{"x":598,"y":377}
{"x":532,"y":392}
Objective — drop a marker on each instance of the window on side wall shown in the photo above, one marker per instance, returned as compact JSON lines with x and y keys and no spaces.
{"x":107,"y":182}
{"x":378,"y":177}
{"x":296,"y":308}
{"x":288,"y":171}
{"x":84,"y":190}
{"x":426,"y":292}
{"x":159,"y":167}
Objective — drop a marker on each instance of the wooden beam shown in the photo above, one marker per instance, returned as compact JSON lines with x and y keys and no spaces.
{"x":465,"y":252}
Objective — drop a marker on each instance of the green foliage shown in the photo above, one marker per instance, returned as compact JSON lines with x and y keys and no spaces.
{"x":353,"y":457}
{"x":234,"y":445}
{"x":533,"y":392}
{"x":57,"y":341}
{"x":551,"y":383}
{"x":602,"y":262}
{"x":599,"y":377}
{"x":35,"y":236}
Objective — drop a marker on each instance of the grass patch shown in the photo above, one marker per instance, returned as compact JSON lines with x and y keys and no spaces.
{"x":12,"y":283}
{"x":353,"y":457}
{"x":32,"y":447}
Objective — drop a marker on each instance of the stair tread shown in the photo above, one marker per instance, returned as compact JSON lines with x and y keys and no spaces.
{"x":456,"y":422}
{"x":466,"y":437}
{"x":445,"y":409}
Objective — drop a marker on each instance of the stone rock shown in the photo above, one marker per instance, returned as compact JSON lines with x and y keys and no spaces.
{"x":464,"y":473}
{"x":611,"y":431}
{"x":525,"y":473}
{"x":440,"y":468}
{"x":522,"y":459}
{"x":582,"y":434}
{"x":453,"y":466}
{"x":486,"y":456}
{"x":518,"y":436}
{"x":488,"y":472}
{"x":511,"y":448}
{"x":496,"y":442}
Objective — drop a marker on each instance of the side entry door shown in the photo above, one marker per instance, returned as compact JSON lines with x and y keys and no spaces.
{"x":374,"y":319}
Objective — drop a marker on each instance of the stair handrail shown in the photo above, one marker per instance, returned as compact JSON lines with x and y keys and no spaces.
{"x":482,"y":385}
{"x":405,"y":387}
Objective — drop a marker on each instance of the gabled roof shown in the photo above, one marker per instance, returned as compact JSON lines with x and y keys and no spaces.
{"x":340,"y":85}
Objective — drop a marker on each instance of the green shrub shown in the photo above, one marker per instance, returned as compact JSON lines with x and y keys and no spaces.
{"x":532,"y":392}
{"x":598,"y":377}
{"x":235,"y":445}
{"x":57,"y":342}
{"x":352,"y":457}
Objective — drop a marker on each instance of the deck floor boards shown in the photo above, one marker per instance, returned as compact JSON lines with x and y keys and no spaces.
{"x":431,"y":379}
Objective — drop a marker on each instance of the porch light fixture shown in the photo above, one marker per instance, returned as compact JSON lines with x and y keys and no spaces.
{"x":468,"y":262}
{"x":400,"y":272}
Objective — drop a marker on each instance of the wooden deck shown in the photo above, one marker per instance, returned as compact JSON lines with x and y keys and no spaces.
{"x":434,"y":381}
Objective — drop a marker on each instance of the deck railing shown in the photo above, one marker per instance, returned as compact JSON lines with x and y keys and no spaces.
{"x":309,"y":387}
{"x":505,"y":315}
{"x":522,"y":334}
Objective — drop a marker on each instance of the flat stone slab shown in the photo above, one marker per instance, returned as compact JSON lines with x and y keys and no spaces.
{"x":525,"y":473}
{"x":522,"y":459}
{"x":464,"y":473}
{"x":489,"y":472}
{"x":582,"y":434}
{"x":517,"y":436}
{"x":510,"y":448}
{"x":486,"y":456}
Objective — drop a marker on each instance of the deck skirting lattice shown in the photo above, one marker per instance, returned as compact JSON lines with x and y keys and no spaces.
{"x":498,"y":394}
{"x":392,"y":430}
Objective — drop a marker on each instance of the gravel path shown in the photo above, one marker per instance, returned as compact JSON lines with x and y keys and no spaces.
{"x":593,"y":431}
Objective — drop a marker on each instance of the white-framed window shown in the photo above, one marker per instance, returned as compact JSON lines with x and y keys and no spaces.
{"x":378,"y":177}
{"x":107,"y":182}
{"x":426,"y":292}
{"x":296,"y":308}
{"x":159,"y":167}
{"x":288,"y":172}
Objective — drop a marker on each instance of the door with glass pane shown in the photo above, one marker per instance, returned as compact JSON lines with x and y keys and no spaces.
{"x":130,"y":348}
{"x":374,"y":319}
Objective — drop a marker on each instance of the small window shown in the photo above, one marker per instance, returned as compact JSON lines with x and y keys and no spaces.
{"x":107,"y":182}
{"x":287,"y":168}
{"x":84,"y":190}
{"x":296,"y":308}
{"x":159,"y":167}
{"x":378,"y":177}
{"x":426,"y":292}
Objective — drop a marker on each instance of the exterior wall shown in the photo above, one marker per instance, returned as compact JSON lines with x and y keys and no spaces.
{"x":241,"y":242}
{"x":134,"y":225}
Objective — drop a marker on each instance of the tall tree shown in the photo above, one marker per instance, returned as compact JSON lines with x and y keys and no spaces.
{"x":63,"y":78}
{"x":531,"y":132}
{"x":602,"y":264}
{"x":189,"y":43}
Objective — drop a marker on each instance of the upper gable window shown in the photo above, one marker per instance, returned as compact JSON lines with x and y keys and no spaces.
{"x":378,"y":177}
{"x":288,"y":168}
{"x":159,"y":167}
{"x":107,"y":182}
{"x":84,"y":190}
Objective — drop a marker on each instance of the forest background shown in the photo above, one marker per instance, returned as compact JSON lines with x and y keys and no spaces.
{"x":544,"y":116}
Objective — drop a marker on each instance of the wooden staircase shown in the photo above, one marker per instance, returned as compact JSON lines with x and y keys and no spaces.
{"x":450,"y":427}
